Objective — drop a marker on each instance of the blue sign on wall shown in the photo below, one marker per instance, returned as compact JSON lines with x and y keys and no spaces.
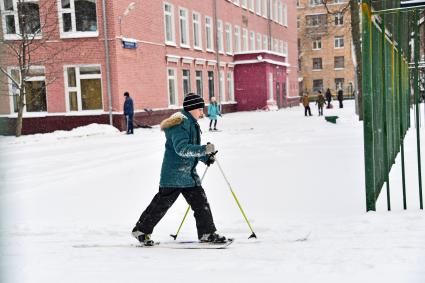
{"x":129,"y":44}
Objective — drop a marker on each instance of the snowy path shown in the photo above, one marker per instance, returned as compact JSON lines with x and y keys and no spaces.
{"x":293,"y":175}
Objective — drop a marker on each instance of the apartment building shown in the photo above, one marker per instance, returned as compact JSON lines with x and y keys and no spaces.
{"x":158,"y":51}
{"x":325,"y":47}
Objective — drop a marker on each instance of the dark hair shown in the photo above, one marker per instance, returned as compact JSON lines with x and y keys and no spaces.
{"x":126,"y":93}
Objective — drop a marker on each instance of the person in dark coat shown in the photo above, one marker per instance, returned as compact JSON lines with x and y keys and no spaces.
{"x":340,"y":97}
{"x":328,"y":96}
{"x":320,"y":102}
{"x":128,"y":112}
{"x":183,"y":150}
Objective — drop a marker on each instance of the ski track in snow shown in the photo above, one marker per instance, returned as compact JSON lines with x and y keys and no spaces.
{"x":296,"y":177}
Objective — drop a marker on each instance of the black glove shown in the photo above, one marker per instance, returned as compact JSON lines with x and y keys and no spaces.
{"x":210,"y":160}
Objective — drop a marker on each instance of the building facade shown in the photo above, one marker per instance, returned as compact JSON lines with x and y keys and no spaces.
{"x":158,"y":51}
{"x":325,"y":47}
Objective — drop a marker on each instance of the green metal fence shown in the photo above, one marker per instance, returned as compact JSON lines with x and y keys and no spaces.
{"x":386,"y":91}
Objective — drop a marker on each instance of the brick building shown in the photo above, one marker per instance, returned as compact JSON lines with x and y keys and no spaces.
{"x":156,"y":50}
{"x":325,"y":46}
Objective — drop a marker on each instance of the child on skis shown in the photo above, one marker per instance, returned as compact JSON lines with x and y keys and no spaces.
{"x":178,"y":174}
{"x":213,"y":111}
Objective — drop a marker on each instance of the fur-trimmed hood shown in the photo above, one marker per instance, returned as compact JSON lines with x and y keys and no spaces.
{"x":173,"y":120}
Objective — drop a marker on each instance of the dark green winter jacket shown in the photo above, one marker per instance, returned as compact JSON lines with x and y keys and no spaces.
{"x":182,"y":151}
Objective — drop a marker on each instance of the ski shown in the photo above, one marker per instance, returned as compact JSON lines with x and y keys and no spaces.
{"x":167,"y":245}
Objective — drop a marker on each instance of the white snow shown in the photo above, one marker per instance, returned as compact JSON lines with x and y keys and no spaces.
{"x":294,"y":176}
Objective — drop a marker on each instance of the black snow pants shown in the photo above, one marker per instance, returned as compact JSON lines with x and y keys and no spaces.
{"x":166,"y":197}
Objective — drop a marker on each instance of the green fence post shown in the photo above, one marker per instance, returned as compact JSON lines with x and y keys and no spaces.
{"x":416,"y":89}
{"x":384,"y":110}
{"x":368,"y":106}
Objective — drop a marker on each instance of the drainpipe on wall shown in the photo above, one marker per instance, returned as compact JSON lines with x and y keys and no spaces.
{"x":217,"y":55}
{"x":107,"y":61}
{"x":269,"y":24}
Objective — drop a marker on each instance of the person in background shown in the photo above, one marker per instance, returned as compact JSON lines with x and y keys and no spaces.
{"x":128,"y":112}
{"x":328,"y":97}
{"x":320,"y":102}
{"x":306,"y":103}
{"x":213,"y":112}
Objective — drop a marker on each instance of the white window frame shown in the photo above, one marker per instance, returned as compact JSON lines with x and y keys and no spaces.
{"x":74,"y":33}
{"x":220,"y":45}
{"x":222,"y":87}
{"x":197,"y":22}
{"x":229,"y":39}
{"x":236,"y":2}
{"x":209,"y":34}
{"x":231,"y":86}
{"x":77,"y":88}
{"x":172,"y":41}
{"x":237,"y":39}
{"x":245,"y":44}
{"x":14,"y":13}
{"x":176,"y":95}
{"x":285,"y":51}
{"x":244,"y":4}
{"x":251,"y":5}
{"x":259,"y":43}
{"x":185,"y":19}
{"x":251,"y":40}
{"x":265,"y":42}
{"x":316,"y":43}
{"x":280,"y":12}
{"x":338,"y":18}
{"x":258,"y":6}
{"x":265,"y":8}
{"x":339,"y":42}
{"x":285,"y":15}
{"x":12,"y":91}
{"x":201,"y":79}
{"x":281,"y":47}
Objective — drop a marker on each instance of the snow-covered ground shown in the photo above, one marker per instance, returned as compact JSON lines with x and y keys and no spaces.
{"x":294,"y":176}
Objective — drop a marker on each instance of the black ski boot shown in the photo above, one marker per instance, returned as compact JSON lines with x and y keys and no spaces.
{"x":212,"y":238}
{"x":144,"y":239}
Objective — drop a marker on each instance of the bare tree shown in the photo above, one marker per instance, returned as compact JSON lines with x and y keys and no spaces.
{"x":31,"y":28}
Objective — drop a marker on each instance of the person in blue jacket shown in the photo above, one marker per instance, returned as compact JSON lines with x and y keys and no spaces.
{"x":183,"y":150}
{"x":128,"y":112}
{"x":213,"y":112}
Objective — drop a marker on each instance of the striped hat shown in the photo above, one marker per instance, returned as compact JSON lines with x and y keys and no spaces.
{"x":193,"y":101}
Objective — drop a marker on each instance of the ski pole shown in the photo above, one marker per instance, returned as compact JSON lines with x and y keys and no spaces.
{"x":237,"y":201}
{"x":187,"y":210}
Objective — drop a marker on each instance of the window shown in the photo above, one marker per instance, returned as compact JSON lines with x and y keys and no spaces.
{"x":264,"y":8}
{"x":169,"y":24}
{"x":236,"y":2}
{"x":339,"y":41}
{"x":220,"y":36}
{"x":298,"y":22}
{"x":265,"y":42}
{"x":244,"y":39}
{"x":221,"y":86}
{"x":316,"y":20}
{"x":210,"y":84}
{"x":172,"y":87}
{"x":281,"y":46}
{"x":339,"y":62}
{"x":251,"y":40}
{"x":339,"y":83}
{"x":184,"y":28}
{"x":280,"y":12}
{"x":199,"y":84}
{"x":251,"y":5}
{"x":186,"y":82}
{"x":315,"y":2}
{"x":243,"y":3}
{"x":317,"y":63}
{"x":12,"y":10}
{"x":285,"y":49}
{"x":35,"y":90}
{"x":197,"y":37}
{"x":78,"y":17}
{"x":339,"y":19}
{"x":229,"y":40}
{"x":317,"y":43}
{"x":83,"y":85}
{"x":270,"y":87}
{"x":317,"y":85}
{"x":275,"y":45}
{"x":230,"y":86}
{"x":209,"y":34}
{"x":275,"y":17}
{"x":258,"y":7}
{"x":259,"y":42}
{"x":285,"y":15}
{"x":237,"y":39}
